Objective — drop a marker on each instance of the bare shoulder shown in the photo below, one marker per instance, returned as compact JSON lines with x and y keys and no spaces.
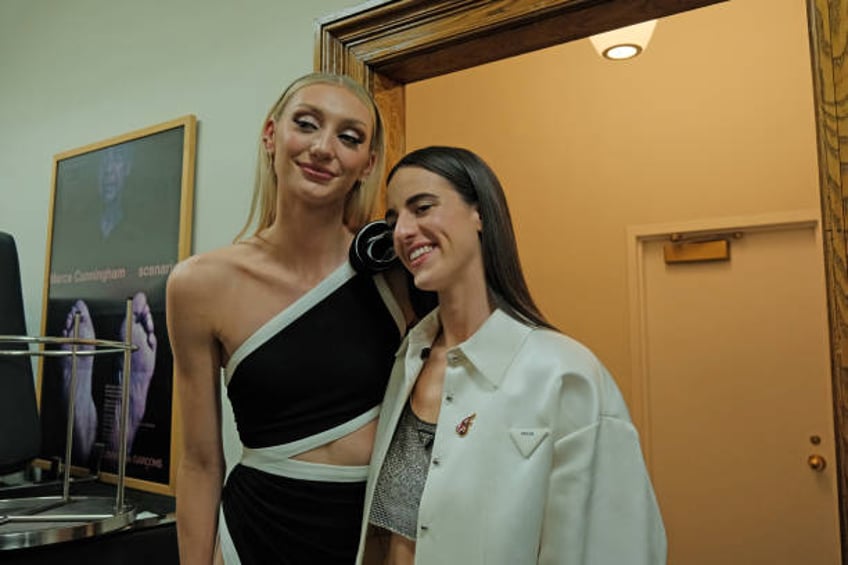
{"x":207,"y":278}
{"x":204,"y":272}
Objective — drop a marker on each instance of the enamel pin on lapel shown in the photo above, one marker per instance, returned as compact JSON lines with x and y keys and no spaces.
{"x":463,"y":426}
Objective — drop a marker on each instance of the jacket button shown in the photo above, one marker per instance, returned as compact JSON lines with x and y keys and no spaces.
{"x":436,"y":461}
{"x":423,"y":528}
{"x":449,"y":398}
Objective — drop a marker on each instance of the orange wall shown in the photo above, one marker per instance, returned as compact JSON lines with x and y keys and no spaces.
{"x":714,"y":119}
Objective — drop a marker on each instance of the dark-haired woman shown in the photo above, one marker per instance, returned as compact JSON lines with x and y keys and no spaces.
{"x":501,"y":441}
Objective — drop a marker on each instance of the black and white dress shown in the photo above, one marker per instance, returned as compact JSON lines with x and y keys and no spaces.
{"x":314,"y":373}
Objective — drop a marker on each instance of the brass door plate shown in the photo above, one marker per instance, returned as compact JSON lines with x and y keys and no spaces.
{"x":694,"y":251}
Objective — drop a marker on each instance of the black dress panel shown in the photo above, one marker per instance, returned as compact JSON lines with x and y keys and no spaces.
{"x":324,"y":368}
{"x":278,"y":520}
{"x":321,"y":369}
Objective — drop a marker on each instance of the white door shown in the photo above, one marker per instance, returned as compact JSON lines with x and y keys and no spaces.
{"x":738,"y":396}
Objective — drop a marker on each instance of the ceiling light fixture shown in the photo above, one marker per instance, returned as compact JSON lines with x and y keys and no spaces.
{"x":625,"y":42}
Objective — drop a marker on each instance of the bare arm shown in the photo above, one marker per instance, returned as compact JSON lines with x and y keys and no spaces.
{"x":197,"y":363}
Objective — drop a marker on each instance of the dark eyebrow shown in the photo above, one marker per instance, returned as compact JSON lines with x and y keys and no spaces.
{"x":413,"y":200}
{"x":391,"y":213}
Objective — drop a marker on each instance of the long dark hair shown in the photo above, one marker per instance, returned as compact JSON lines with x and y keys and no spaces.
{"x":478,"y":186}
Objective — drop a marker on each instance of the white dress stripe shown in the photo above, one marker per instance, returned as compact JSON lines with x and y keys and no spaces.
{"x":391,"y":302}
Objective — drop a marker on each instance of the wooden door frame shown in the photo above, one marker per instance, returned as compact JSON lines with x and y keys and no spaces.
{"x":385,"y":44}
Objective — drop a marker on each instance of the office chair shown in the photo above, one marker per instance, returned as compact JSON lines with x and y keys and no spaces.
{"x":20,"y":433}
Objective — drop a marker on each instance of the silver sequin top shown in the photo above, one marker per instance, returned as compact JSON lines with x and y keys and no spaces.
{"x":401,"y":481}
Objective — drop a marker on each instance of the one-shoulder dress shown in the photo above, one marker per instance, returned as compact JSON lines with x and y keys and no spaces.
{"x":313,"y":373}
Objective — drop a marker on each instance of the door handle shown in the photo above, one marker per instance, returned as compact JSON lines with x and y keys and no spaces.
{"x":816,"y":462}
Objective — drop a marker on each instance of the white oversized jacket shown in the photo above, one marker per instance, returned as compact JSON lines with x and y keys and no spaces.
{"x":550,"y":470}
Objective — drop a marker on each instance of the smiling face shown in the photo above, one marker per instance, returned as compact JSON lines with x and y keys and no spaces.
{"x":321,"y":144}
{"x":436,"y":233}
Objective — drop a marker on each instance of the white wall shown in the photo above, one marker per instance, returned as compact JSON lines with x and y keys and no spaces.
{"x":73,"y":73}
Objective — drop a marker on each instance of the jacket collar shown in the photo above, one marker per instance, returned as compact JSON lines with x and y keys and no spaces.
{"x":490,"y":349}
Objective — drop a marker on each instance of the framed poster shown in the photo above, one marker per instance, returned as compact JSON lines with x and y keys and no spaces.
{"x":120,"y":219}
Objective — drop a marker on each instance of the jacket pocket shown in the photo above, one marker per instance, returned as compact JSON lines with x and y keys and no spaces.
{"x":526,"y":440}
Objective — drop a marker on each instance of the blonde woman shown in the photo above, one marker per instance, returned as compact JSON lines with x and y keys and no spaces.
{"x":305,"y":343}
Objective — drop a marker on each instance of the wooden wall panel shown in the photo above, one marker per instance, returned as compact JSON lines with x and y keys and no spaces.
{"x":828,"y":38}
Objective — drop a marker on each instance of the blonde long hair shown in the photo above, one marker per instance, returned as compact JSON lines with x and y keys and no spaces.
{"x":360,"y":200}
